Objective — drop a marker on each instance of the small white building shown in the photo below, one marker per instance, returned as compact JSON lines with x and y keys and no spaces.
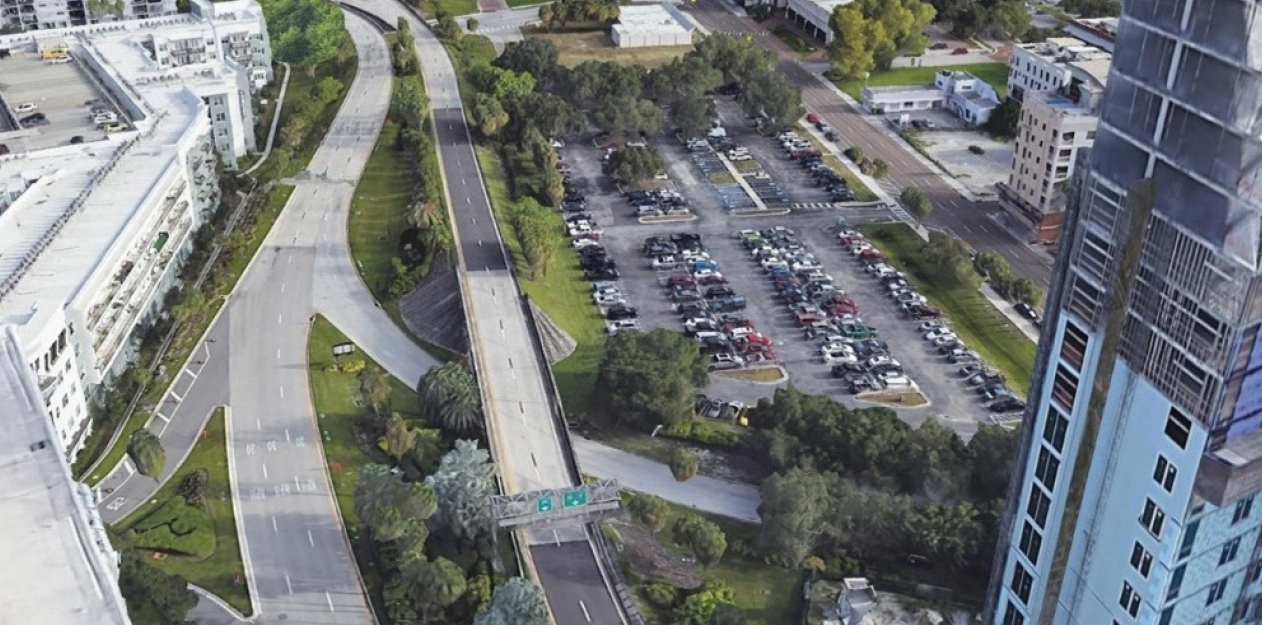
{"x":1044,"y":66}
{"x":963,"y":94}
{"x":652,"y":25}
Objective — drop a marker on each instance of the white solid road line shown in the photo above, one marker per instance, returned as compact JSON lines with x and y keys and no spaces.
{"x":280,"y":319}
{"x":282,"y":392}
{"x":286,"y":435}
{"x":274,"y":527}
{"x":586,"y":615}
{"x":289,"y":584}
{"x":264,"y":470}
{"x":330,"y":601}
{"x":310,"y":538}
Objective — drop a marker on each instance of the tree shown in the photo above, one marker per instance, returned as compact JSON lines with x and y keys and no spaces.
{"x":794,"y":510}
{"x":970,"y":20}
{"x":850,"y":53}
{"x":305,"y":32}
{"x":551,"y":115}
{"x":699,"y":607}
{"x":449,"y":396}
{"x":502,"y":84}
{"x":651,"y":510}
{"x":774,"y":96}
{"x":1004,"y":118}
{"x":933,"y":458}
{"x":704,"y":538}
{"x":634,"y":164}
{"x":624,"y":116}
{"x":1024,"y":290}
{"x":448,"y":29}
{"x":727,"y":614}
{"x":433,"y":585}
{"x":683,"y":464}
{"x":1011,"y":19}
{"x":374,"y":388}
{"x":149,"y":591}
{"x":145,"y":451}
{"x":192,"y":302}
{"x":391,"y":508}
{"x":692,"y":116}
{"x":991,"y":452}
{"x":649,"y":377}
{"x":400,"y":439}
{"x":518,"y":602}
{"x":1092,"y":8}
{"x":880,"y":168}
{"x":488,"y":114}
{"x":916,"y":201}
{"x":685,"y":78}
{"x":410,"y":101}
{"x":949,"y":531}
{"x":472,"y":24}
{"x":951,"y":256}
{"x":536,"y":57}
{"x":538,"y":235}
{"x":854,"y":153}
{"x":464,"y":484}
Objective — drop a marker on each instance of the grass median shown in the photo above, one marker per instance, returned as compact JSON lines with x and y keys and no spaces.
{"x":335,"y":396}
{"x":980,"y":325}
{"x":222,"y":572}
{"x":994,"y":74}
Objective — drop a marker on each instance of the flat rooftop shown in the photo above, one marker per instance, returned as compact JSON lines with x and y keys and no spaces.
{"x":59,"y":91}
{"x":57,"y":570}
{"x":651,"y":18}
{"x":1059,"y":102}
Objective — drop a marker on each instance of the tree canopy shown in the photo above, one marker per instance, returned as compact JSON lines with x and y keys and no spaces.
{"x":152,"y":593}
{"x":464,"y":484}
{"x":633,"y":164}
{"x":517,"y":602}
{"x":449,"y":396}
{"x":391,"y":508}
{"x":649,"y":378}
{"x":305,"y":32}
{"x":869,"y":34}
{"x":146,"y":452}
{"x":537,"y":57}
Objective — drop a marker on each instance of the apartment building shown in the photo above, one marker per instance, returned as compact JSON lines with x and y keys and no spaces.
{"x":1054,"y":127}
{"x":97,"y":231}
{"x":23,"y":15}
{"x":1044,"y":66}
{"x":1135,"y":491}
{"x":64,"y":571}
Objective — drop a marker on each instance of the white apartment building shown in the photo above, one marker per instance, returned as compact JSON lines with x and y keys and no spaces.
{"x":23,"y":15}
{"x":63,"y":569}
{"x":95,"y":233}
{"x":1056,"y":124}
{"x":1044,"y":66}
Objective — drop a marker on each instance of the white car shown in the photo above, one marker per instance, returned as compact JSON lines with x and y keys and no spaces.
{"x":945,"y":339}
{"x":620,"y":325}
{"x":637,"y":144}
{"x":929,"y":326}
{"x":664,"y":261}
{"x":894,"y":379}
{"x":837,"y":357}
{"x":856,"y":250}
{"x":64,"y":59}
{"x":877,"y":361}
{"x":740,"y":157}
{"x":25,"y":107}
{"x":934,"y":335}
{"x":557,"y":143}
{"x":104,"y":118}
{"x":609,"y":299}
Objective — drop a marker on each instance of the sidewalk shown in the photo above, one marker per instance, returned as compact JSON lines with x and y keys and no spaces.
{"x":1005,"y":307}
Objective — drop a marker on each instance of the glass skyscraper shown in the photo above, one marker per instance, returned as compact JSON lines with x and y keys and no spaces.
{"x":1134,"y":493}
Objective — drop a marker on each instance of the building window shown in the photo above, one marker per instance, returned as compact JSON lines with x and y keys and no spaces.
{"x":1054,"y":429}
{"x":1141,"y":559}
{"x":1046,"y":469}
{"x":1178,"y":428}
{"x":1153,"y":518}
{"x":1038,"y":506}
{"x":1176,"y":582}
{"x":1229,"y":551}
{"x":1256,"y":574}
{"x":1164,"y":473}
{"x":1030,"y":543}
{"x":1243,"y":508}
{"x":1073,"y":347}
{"x":1021,"y":582}
{"x":1065,"y":387}
{"x":1011,"y":616}
{"x":1189,"y":537}
{"x":1129,"y":600}
{"x":1216,"y":591}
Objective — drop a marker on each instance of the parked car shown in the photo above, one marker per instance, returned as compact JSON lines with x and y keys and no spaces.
{"x":976,"y":149}
{"x":1007,"y":404}
{"x":25,"y":107}
{"x":621,"y":325}
{"x":621,"y":311}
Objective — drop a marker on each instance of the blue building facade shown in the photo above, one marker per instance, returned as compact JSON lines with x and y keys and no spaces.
{"x":1133,"y":499}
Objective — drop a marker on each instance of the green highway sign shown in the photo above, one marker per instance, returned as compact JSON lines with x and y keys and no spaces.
{"x":543,"y":504}
{"x":575,"y":498}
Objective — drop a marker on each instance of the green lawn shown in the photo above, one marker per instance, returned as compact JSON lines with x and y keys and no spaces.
{"x":521,"y":3}
{"x":378,"y":214}
{"x":234,"y":265}
{"x":793,"y":40}
{"x":219,"y":573}
{"x":996,"y":74}
{"x":430,"y":8}
{"x":766,"y":593}
{"x":562,"y":292}
{"x":861,"y":191}
{"x":300,"y":85}
{"x":980,"y":325}
{"x":334,"y":395}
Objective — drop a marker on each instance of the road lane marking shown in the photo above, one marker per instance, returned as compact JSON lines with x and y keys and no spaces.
{"x":556,"y":537}
{"x":177,"y":397}
{"x":274,"y":527}
{"x":286,"y":435}
{"x":289,"y":584}
{"x":296,"y":484}
{"x":264,"y":470}
{"x":310,"y":538}
{"x":330,"y":600}
{"x":277,"y":353}
{"x":259,"y":423}
{"x":282,"y":392}
{"x":282,"y":288}
{"x":162,"y":416}
{"x":586,"y":615}
{"x":280,"y":319}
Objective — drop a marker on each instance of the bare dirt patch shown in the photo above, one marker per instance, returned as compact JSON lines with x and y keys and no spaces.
{"x":648,"y":557}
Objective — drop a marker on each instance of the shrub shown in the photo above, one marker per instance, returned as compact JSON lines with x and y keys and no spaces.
{"x":916,"y":201}
{"x":176,"y":527}
{"x":193,"y":488}
{"x":854,"y":153}
{"x":661,"y":594}
{"x":650,"y":510}
{"x":683,"y":464}
{"x":145,"y":450}
{"x":703,"y":432}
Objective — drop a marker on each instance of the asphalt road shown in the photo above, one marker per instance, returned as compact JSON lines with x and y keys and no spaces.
{"x":953,"y":212}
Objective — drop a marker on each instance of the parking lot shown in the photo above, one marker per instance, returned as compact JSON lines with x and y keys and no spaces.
{"x":58,"y":91}
{"x":978,"y":172}
{"x":646,"y":288}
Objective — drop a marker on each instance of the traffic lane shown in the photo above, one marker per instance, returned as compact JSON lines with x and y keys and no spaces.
{"x":573,"y":584}
{"x":479,"y":237}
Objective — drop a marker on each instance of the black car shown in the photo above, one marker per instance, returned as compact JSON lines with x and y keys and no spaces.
{"x":846,"y":369}
{"x":601,"y":274}
{"x":1027,"y":311}
{"x":77,"y":139}
{"x":621,"y":311}
{"x":37,"y":119}
{"x":1007,"y":404}
{"x":592,"y":251}
{"x":597,"y":262}
{"x":691,"y":308}
{"x":976,"y":149}
{"x":715,"y":292}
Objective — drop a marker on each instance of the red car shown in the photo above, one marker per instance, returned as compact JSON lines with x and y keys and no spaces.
{"x":812,"y":118}
{"x":872,"y":254}
{"x":806,"y":319}
{"x":680,"y":279}
{"x":711,"y":279}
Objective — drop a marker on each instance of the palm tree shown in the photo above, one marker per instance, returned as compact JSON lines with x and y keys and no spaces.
{"x":373,"y":493}
{"x":449,"y":396}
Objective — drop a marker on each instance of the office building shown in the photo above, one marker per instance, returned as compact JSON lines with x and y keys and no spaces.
{"x":95,"y":231}
{"x":966,"y":96}
{"x":1135,"y":492}
{"x":1058,"y":120}
{"x":23,"y":15}
{"x":60,"y":567}
{"x":1045,"y":66}
{"x":641,"y":26}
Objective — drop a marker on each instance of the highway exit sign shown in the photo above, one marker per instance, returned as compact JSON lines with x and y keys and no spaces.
{"x":574,"y":498}
{"x":543,"y":504}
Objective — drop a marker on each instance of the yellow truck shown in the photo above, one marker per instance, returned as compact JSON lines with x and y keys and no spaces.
{"x":52,"y":54}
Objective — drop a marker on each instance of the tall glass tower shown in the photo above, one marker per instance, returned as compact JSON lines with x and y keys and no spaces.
{"x":1134,"y":495}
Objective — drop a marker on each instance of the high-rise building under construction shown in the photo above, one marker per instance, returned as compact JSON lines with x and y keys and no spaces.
{"x":1135,"y":496}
